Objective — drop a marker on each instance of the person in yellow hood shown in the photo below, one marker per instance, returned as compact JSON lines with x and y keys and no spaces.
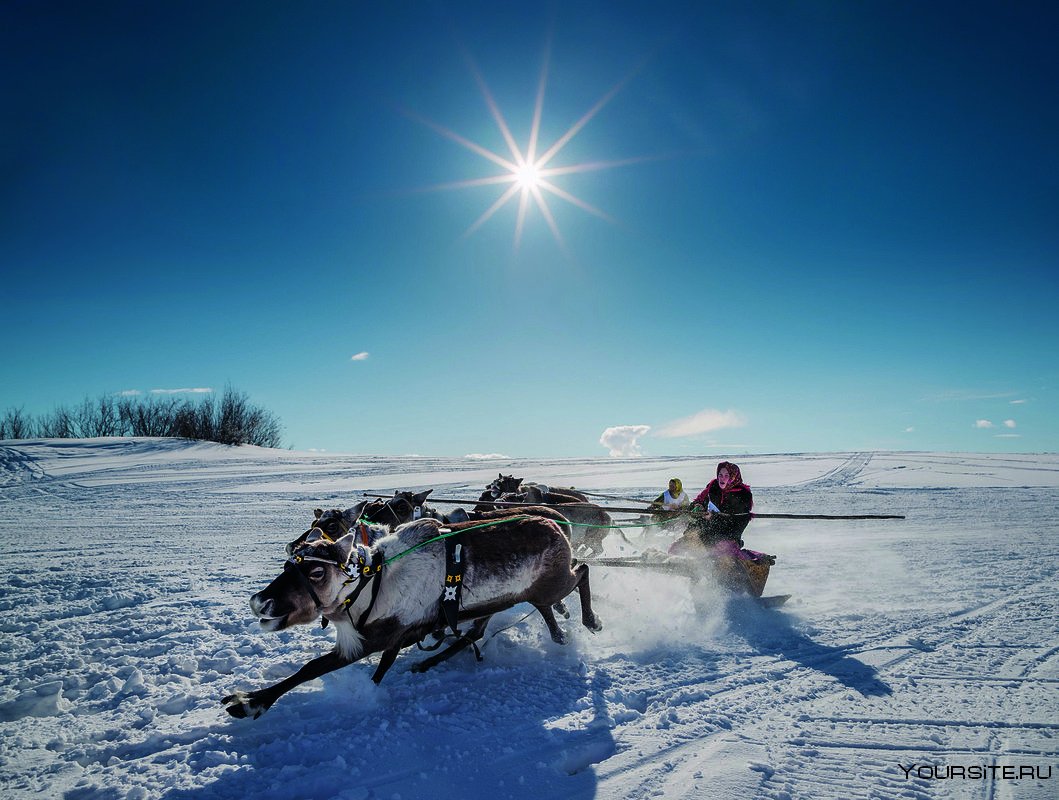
{"x":673,"y":498}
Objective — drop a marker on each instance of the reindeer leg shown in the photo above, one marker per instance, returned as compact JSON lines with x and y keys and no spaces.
{"x":473,"y":635}
{"x":594,"y":541}
{"x":621,"y":533}
{"x":553,"y":627}
{"x":385,"y":662}
{"x":254,"y":704}
{"x":588,"y":616}
{"x":561,"y":609}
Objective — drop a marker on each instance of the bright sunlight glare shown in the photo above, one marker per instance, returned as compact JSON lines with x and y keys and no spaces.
{"x":528,"y":177}
{"x":526,"y":173}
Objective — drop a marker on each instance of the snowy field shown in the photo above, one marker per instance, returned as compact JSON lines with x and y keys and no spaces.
{"x":913,"y":652}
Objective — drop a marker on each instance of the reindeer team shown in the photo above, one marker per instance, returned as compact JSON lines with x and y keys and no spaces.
{"x":381,"y":573}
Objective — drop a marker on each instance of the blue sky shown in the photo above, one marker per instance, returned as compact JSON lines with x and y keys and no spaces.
{"x":828,"y":226}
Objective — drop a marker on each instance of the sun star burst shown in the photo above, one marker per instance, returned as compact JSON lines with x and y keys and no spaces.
{"x":527,"y":175}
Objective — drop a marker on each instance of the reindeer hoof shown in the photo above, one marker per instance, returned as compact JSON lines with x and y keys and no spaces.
{"x":242,"y":705}
{"x":559,"y":637}
{"x":561,"y":609}
{"x":594,"y":624}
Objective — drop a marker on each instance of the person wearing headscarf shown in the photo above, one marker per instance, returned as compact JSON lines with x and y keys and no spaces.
{"x":727,"y":503}
{"x":673,"y":498}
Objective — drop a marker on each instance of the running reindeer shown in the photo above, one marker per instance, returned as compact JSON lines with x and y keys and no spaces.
{"x":515,"y":560}
{"x":590,"y":522}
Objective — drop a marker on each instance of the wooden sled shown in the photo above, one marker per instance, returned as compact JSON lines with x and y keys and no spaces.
{"x":747,"y":573}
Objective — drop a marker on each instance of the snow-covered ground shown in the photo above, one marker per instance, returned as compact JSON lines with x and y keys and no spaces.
{"x":932,"y":641}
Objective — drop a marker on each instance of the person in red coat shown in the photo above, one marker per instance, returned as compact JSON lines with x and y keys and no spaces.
{"x":727,"y":503}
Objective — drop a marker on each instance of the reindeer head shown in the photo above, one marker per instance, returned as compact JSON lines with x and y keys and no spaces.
{"x":533,"y":494}
{"x":334,"y":523}
{"x":504,"y":484}
{"x":408,"y":502}
{"x":311,"y":583}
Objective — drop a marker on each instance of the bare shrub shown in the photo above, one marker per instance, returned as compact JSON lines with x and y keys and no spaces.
{"x":57,"y":425}
{"x":15,"y":425}
{"x":231,"y":420}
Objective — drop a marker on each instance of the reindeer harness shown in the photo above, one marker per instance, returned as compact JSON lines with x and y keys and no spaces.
{"x":362,"y":571}
{"x":365,"y":572}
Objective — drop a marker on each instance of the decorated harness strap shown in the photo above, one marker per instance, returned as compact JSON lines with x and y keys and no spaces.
{"x":452,"y":591}
{"x":364,"y":573}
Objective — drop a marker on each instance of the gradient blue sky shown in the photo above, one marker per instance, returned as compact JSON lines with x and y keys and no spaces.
{"x":843,"y":232}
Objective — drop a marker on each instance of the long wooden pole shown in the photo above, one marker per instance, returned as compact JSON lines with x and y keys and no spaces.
{"x":507,"y":503}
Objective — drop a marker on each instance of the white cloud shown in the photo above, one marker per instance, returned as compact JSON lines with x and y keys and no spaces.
{"x":361,"y":356}
{"x":622,"y":440}
{"x":130,"y":393}
{"x":1007,"y":436}
{"x":983,"y":423}
{"x":1009,"y":423}
{"x":204,"y":390}
{"x":909,"y":430}
{"x":705,"y":421}
{"x":486,"y":456}
{"x":1017,"y":402}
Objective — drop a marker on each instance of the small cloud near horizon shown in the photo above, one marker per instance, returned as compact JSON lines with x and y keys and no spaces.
{"x":705,"y":421}
{"x":486,"y":456}
{"x":361,"y":356}
{"x":983,"y":423}
{"x":130,"y":393}
{"x":1007,"y":435}
{"x":1009,"y":423}
{"x":910,"y":429}
{"x":198,"y":390}
{"x":1017,"y":402}
{"x":623,"y":440}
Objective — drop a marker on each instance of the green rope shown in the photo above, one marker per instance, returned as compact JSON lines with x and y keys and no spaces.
{"x":447,"y":535}
{"x":439,"y":537}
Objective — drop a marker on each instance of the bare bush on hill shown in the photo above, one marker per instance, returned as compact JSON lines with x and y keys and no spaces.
{"x":231,"y":420}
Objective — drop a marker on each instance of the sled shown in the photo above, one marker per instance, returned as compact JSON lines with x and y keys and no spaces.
{"x":743,"y":571}
{"x":772,"y":600}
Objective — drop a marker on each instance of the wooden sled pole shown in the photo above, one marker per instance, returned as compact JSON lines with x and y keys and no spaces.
{"x":621,"y":510}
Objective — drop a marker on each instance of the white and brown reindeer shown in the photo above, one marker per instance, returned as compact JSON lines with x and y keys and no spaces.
{"x":387,"y":596}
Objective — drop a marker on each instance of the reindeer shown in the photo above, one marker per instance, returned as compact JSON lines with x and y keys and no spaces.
{"x":590,"y":522}
{"x":336,"y":524}
{"x":407,"y":506}
{"x":505,"y":484}
{"x":522,"y":559}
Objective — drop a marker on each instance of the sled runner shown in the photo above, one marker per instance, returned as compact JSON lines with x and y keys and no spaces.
{"x":738,"y":570}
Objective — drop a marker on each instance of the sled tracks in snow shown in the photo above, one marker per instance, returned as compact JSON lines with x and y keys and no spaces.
{"x":842,"y":475}
{"x":17,"y":469}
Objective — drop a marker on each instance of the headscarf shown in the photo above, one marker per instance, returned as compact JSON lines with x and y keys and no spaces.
{"x":678,"y":484}
{"x":736,"y":477}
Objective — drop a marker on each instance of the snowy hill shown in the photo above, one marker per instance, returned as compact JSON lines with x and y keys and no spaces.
{"x":932,"y":641}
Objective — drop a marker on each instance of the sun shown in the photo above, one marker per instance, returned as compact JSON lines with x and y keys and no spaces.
{"x":527,"y":176}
